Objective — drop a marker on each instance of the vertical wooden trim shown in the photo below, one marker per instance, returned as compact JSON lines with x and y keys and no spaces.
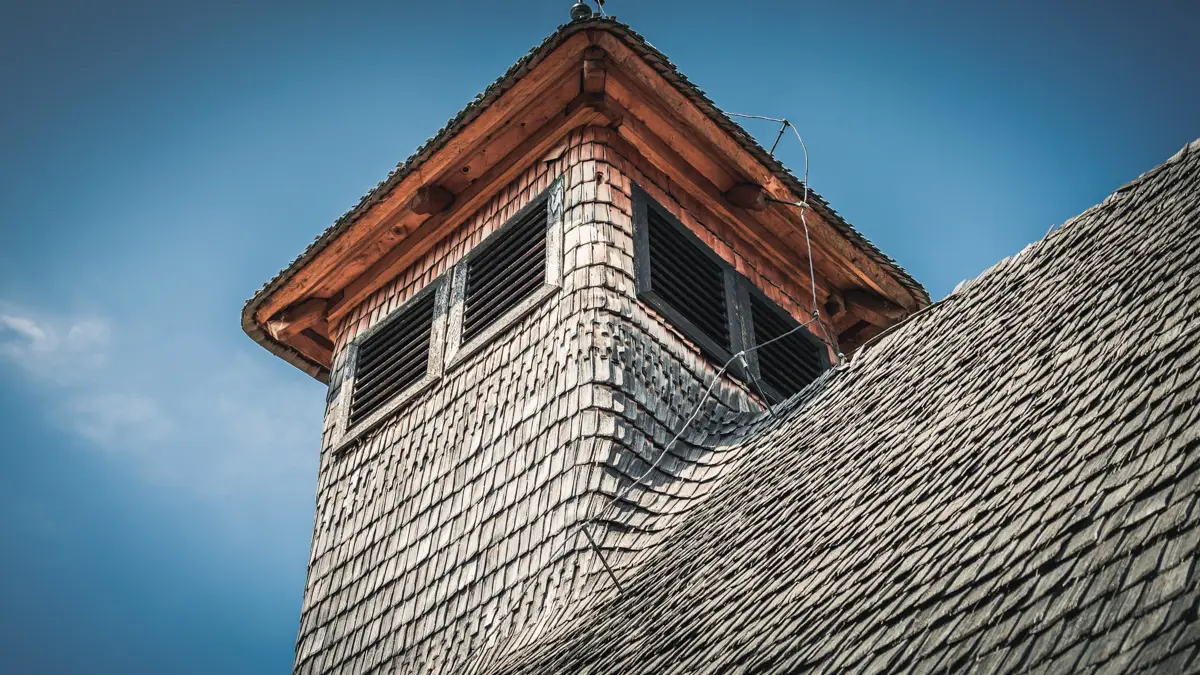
{"x":741,"y":330}
{"x":457,"y":350}
{"x":344,"y":434}
{"x":555,"y":213}
{"x":641,"y":239}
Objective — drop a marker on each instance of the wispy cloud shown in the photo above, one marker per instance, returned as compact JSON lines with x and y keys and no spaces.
{"x":66,"y":358}
{"x":114,"y":419}
{"x":218,"y":430}
{"x":53,"y":348}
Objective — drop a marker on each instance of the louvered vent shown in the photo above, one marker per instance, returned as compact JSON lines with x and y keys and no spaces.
{"x":789,"y":364}
{"x":687,"y":279}
{"x":506,"y":272}
{"x":393,"y":359}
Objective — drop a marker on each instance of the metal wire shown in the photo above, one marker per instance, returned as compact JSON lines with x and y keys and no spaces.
{"x":758,"y":386}
{"x":803,"y":206}
{"x":816,"y":316}
{"x":583,"y":527}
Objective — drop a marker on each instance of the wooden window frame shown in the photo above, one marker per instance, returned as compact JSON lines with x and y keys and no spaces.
{"x":734,"y":296}
{"x":435,"y":367}
{"x":458,"y":351}
{"x":761,"y":386}
{"x":738,"y":290}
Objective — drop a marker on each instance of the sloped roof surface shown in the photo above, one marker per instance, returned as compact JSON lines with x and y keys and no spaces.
{"x":1008,"y":482}
{"x":505,"y":82}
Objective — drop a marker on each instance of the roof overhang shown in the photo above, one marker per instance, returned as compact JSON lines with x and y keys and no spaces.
{"x":594,"y":72}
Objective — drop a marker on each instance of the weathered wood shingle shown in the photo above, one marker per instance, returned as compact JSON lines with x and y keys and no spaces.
{"x":449,"y":536}
{"x":1008,"y":482}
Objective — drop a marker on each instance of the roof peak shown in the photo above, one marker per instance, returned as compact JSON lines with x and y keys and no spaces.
{"x":654,"y":70}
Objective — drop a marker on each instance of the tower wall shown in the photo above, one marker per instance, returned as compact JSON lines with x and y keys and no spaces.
{"x":452,"y":530}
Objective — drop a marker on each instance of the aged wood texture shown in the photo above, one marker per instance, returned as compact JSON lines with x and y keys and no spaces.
{"x":747,"y":196}
{"x":1007,"y":483}
{"x":442,"y":539}
{"x":601,"y":68}
{"x":430,"y":199}
{"x":306,"y":314}
{"x":1005,"y":479}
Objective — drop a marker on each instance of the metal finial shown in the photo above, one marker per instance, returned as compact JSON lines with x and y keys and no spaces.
{"x":581,"y":11}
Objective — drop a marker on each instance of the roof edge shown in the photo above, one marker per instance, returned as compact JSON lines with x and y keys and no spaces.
{"x":868,"y":350}
{"x":661,"y":64}
{"x":251,"y":328}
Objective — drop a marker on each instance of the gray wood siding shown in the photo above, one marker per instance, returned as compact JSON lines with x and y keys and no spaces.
{"x":449,"y":534}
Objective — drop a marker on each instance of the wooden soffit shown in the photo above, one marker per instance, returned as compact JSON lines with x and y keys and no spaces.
{"x":592,"y":77}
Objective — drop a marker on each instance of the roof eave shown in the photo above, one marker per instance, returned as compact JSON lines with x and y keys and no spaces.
{"x":250,"y":321}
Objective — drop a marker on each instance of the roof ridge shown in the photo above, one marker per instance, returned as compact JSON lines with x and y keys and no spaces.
{"x":966,"y":287}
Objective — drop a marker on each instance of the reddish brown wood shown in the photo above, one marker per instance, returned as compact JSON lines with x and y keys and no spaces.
{"x":306,"y":314}
{"x":430,"y":199}
{"x":307,"y":344}
{"x":873,"y":308}
{"x":593,"y":70}
{"x":749,"y":196}
{"x":384,"y":223}
{"x":399,"y":257}
{"x":688,"y":118}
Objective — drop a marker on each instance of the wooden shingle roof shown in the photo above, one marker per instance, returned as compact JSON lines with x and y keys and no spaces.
{"x":1007,"y":482}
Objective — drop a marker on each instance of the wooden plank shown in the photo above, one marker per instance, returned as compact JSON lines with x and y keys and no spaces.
{"x":305,"y":314}
{"x":375,"y":225}
{"x":430,"y":199}
{"x":593,"y":70}
{"x":310,"y":347}
{"x":647,"y":106}
{"x":875,"y":309}
{"x":431,"y":231}
{"x":749,"y":196}
{"x":688,"y":115}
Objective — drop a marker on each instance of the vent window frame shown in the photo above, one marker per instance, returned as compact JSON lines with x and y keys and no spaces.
{"x":762,"y":385}
{"x":738,"y":291}
{"x":643,"y":205}
{"x":434,"y":369}
{"x":459,"y":350}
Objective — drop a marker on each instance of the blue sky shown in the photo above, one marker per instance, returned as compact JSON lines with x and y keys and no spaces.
{"x":159,"y":161}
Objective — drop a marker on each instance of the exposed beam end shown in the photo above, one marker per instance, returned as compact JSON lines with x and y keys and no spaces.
{"x":749,"y":196}
{"x":430,"y":199}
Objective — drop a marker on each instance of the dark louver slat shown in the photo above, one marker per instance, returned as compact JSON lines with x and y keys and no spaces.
{"x":393,"y":359}
{"x":786,"y":365}
{"x":518,"y":239}
{"x":522,"y":267}
{"x":381,"y":346}
{"x":371,"y":371}
{"x":505,"y":272}
{"x":496,"y":309}
{"x":683,"y":297}
{"x":687,"y":279}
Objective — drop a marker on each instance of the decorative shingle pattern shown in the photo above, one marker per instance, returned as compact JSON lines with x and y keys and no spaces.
{"x":1008,"y":482}
{"x":448,"y":537}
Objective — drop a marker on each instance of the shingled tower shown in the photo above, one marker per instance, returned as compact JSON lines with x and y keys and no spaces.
{"x":539,"y":332}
